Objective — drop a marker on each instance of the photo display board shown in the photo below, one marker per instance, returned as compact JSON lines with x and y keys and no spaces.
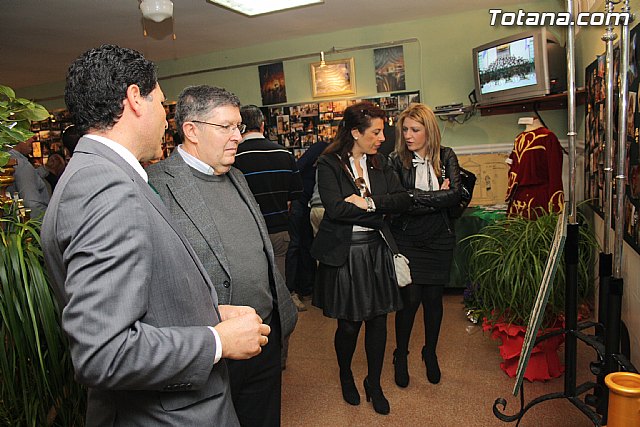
{"x":298,"y":126}
{"x":595,"y":122}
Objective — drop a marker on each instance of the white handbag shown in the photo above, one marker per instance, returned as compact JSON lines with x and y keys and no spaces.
{"x":400,"y":262}
{"x":403,"y":273}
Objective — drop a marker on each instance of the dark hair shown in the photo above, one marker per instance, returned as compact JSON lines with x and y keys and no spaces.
{"x":70,"y":137}
{"x":358,"y":116}
{"x":97,"y":84}
{"x":195,"y":102}
{"x":252,"y":117}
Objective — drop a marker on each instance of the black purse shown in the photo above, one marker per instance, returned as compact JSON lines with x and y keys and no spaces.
{"x":467,"y":184}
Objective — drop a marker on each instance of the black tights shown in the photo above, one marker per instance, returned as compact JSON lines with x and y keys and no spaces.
{"x":431,"y":299}
{"x":375,"y":339}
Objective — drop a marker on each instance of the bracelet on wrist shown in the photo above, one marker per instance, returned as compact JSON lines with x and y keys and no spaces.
{"x":370,"y":206}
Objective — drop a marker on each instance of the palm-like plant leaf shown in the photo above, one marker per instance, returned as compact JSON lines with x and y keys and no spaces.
{"x":37,"y":386}
{"x":507,"y":264}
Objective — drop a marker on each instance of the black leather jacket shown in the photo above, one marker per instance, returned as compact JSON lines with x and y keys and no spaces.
{"x":428,"y":202}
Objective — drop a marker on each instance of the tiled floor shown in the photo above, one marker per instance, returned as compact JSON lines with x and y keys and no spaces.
{"x":471,"y":380}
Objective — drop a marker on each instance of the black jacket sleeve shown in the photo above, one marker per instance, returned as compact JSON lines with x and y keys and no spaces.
{"x":335,"y":185}
{"x":431,"y":201}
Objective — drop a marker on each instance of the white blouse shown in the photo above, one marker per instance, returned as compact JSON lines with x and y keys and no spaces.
{"x":365,"y":175}
{"x":426,"y":178}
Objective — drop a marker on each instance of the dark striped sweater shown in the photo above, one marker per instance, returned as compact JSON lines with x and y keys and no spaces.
{"x":273,"y":177}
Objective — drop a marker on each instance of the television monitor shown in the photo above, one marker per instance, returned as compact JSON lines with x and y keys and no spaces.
{"x":520,"y":66}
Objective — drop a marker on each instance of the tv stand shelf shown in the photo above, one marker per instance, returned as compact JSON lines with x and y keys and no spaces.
{"x":549,"y":102}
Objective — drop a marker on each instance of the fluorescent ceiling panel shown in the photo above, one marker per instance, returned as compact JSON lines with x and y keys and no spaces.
{"x":260,"y":7}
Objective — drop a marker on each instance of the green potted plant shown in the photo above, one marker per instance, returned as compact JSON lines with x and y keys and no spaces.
{"x":506,"y":266}
{"x":16,"y":115}
{"x":37,"y":386}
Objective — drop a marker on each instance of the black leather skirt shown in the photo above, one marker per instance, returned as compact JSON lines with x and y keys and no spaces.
{"x":364,"y":286}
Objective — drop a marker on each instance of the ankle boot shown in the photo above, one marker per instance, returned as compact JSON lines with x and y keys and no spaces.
{"x":400,"y":368}
{"x":380,"y":403}
{"x":350,"y":393}
{"x":431,"y":362}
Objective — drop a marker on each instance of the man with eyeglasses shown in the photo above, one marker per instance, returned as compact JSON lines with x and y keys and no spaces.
{"x":272,"y":175}
{"x":214,"y":207}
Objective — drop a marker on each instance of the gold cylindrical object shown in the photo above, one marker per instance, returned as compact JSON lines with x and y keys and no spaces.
{"x":624,"y":399}
{"x":6,"y":180}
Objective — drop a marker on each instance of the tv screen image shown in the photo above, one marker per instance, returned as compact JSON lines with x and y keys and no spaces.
{"x":523,"y":65}
{"x":507,"y":66}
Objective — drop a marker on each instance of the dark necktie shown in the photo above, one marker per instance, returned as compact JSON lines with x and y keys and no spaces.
{"x":154,"y":190}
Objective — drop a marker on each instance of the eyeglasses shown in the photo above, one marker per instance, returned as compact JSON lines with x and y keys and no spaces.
{"x":362,"y":186}
{"x":225,"y":128}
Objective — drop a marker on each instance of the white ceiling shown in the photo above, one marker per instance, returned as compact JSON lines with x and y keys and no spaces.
{"x":40,"y":38}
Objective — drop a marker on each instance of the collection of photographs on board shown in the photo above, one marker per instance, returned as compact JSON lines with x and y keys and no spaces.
{"x":299,"y":126}
{"x":47,"y":138}
{"x":595,"y":122}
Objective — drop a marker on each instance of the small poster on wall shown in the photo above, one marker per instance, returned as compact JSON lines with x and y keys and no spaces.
{"x":389,"y":63}
{"x":272,"y":86}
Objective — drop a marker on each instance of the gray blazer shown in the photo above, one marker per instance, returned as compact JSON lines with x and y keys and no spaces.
{"x":176,"y":184}
{"x":135,"y":299}
{"x":29,"y":185}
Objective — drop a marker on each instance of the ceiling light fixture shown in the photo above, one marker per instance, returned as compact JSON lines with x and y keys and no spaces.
{"x":157,"y":10}
{"x":260,"y":7}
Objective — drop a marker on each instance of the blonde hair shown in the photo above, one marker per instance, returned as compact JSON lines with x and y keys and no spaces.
{"x":423,"y":115}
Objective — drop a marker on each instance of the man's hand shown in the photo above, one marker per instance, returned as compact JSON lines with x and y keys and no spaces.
{"x":242,"y":336}
{"x":445,"y":184}
{"x":230,"y":311}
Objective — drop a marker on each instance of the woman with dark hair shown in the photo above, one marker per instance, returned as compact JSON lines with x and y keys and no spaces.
{"x":356,"y":282}
{"x":425,"y":233}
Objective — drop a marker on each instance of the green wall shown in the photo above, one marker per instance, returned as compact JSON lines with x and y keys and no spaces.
{"x":439,"y":65}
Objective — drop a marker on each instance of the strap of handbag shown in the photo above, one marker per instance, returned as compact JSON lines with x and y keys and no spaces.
{"x":388,"y":237}
{"x":385,"y":231}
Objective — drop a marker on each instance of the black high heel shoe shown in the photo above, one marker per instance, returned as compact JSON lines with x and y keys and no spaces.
{"x":401,"y":370}
{"x":431,"y":362}
{"x":350,"y":393}
{"x":380,"y":403}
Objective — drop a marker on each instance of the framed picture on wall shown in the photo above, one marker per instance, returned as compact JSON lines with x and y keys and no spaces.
{"x":334,"y":78}
{"x":389,"y":64}
{"x":272,"y":83}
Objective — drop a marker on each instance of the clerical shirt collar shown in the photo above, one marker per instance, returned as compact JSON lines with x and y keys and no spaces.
{"x":121,"y":151}
{"x":195,"y":162}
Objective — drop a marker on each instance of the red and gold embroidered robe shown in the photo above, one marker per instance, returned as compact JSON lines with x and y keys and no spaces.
{"x":535,"y":174}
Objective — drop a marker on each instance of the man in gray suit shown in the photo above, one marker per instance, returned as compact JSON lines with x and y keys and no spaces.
{"x":215,"y":208}
{"x":146,"y":333}
{"x":28,"y":183}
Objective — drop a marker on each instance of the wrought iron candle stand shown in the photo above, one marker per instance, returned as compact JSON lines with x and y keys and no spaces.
{"x":572,"y":332}
{"x":606,"y":343}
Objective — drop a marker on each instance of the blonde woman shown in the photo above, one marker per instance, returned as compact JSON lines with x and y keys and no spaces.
{"x":424,"y":234}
